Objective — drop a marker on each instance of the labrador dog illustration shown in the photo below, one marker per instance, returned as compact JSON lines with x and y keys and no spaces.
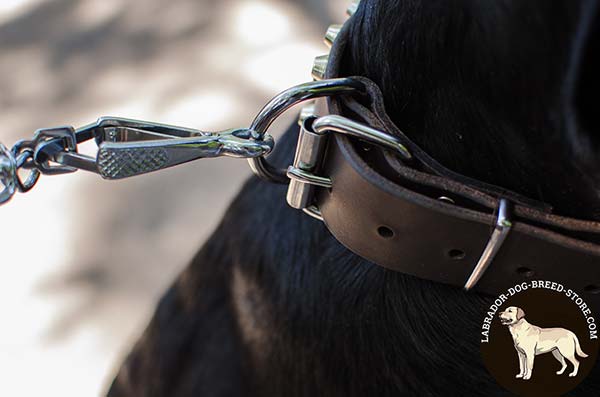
{"x":531,"y":341}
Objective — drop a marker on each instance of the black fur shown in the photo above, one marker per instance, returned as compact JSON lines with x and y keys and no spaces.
{"x":273,"y":305}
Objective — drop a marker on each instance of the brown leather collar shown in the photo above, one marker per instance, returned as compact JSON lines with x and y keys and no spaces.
{"x":427,"y":221}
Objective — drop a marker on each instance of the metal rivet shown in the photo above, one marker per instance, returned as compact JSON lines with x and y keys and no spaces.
{"x":320,"y":67}
{"x":332,"y":33}
{"x":353,"y":7}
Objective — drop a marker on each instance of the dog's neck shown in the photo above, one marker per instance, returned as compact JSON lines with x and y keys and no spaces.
{"x":520,"y":326}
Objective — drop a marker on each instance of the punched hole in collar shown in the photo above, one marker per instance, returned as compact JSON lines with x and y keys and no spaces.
{"x":592,"y":289}
{"x":385,"y":232}
{"x":456,"y":254}
{"x":525,"y":272}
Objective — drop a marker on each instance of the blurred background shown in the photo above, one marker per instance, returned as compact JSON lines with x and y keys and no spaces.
{"x":84,"y":261}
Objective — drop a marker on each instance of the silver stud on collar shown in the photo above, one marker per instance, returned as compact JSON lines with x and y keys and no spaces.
{"x":353,"y":7}
{"x":331,"y":35}
{"x":320,"y":67}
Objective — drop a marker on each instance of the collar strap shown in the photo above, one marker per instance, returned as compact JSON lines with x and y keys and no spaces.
{"x":407,"y":213}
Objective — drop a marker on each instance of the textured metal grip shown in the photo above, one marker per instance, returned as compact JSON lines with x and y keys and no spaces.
{"x":123,"y":162}
{"x":118,"y":160}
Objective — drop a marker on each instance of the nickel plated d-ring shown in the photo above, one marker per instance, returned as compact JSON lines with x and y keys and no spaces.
{"x":282,"y":102}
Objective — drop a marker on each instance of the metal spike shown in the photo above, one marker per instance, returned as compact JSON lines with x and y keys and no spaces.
{"x":331,"y":34}
{"x":320,"y":67}
{"x":353,"y":7}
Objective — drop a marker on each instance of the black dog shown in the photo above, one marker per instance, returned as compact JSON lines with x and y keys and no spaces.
{"x":273,"y":305}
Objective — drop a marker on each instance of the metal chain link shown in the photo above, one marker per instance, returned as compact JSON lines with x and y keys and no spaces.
{"x":24,"y":160}
{"x":22,"y":156}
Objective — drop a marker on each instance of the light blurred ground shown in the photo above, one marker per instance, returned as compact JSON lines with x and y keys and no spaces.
{"x":84,"y":261}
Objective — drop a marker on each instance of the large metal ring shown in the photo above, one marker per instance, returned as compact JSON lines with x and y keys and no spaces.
{"x":8,"y":174}
{"x":282,"y":102}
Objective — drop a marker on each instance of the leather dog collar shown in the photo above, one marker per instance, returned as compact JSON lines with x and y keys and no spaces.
{"x":422,"y":219}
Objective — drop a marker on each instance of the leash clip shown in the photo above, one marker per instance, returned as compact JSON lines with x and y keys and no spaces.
{"x":128,"y":148}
